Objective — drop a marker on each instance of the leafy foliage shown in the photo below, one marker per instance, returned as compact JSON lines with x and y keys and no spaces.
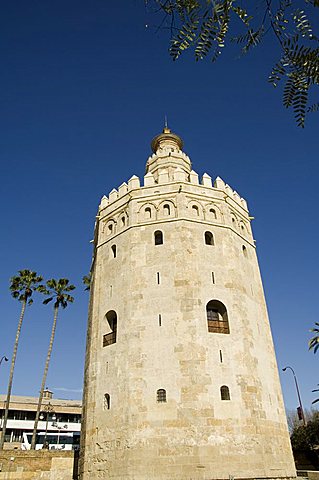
{"x":305,"y":438}
{"x":87,"y":281}
{"x":314,"y":345}
{"x":314,"y":341}
{"x":58,"y":290}
{"x":23,"y":285}
{"x":205,"y":26}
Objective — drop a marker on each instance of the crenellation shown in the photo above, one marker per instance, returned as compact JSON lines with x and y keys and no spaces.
{"x":219,"y":183}
{"x":179,"y":175}
{"x":113,"y":195}
{"x":163,"y":177}
{"x":133,"y":183}
{"x":123,"y":189}
{"x":206,"y":180}
{"x":193,"y":178}
{"x":244,"y":203}
{"x":149,"y":180}
{"x":229,"y":191}
{"x":104,"y":202}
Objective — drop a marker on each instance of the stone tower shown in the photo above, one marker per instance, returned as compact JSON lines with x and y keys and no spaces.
{"x":181,"y":380}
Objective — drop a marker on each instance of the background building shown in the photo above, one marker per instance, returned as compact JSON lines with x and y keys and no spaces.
{"x":181,"y":380}
{"x":63,"y":416}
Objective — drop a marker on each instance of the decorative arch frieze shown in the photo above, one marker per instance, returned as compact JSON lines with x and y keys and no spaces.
{"x":195,"y":209}
{"x":147,"y":212}
{"x":166,"y":209}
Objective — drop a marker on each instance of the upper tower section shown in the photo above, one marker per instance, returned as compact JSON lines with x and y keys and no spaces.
{"x":168,"y":155}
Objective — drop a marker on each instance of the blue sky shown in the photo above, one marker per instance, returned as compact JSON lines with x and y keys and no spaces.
{"x":84,"y":88}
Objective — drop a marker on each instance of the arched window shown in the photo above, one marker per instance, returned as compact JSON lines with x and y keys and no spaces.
{"x":217,"y":318}
{"x":195,"y":210}
{"x":106,"y":402}
{"x":123,"y":221}
{"x":158,"y":237}
{"x":110,"y":337}
{"x":224,"y":393}
{"x":113,"y":248}
{"x":110,"y":229}
{"x":233,"y":220}
{"x":244,"y":251}
{"x":166,"y":210}
{"x":212,"y":212}
{"x":161,"y":395}
{"x":147,"y":213}
{"x":209,"y":238}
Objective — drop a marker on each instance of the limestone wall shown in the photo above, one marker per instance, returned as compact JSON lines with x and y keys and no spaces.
{"x":36,"y":465}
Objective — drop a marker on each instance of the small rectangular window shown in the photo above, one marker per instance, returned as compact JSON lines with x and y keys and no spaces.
{"x":213,"y":277}
{"x":158,"y":278}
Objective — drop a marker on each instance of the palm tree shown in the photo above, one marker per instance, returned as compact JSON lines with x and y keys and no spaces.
{"x":22,"y":287}
{"x":314,"y":341}
{"x":87,"y":281}
{"x":58,"y":290}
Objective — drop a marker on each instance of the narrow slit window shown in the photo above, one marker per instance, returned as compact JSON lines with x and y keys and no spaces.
{"x":113,"y":248}
{"x":245,"y":251}
{"x":221,"y":356}
{"x":107,"y":402}
{"x":158,"y":277}
{"x":158,"y":237}
{"x":123,"y":221}
{"x":224,"y":393}
{"x":161,"y":395}
{"x":111,"y":290}
{"x":209,"y":238}
{"x":213,"y":277}
{"x":160,"y":320}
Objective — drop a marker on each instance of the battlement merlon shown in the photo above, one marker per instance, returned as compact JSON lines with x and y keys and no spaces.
{"x":202,"y":187}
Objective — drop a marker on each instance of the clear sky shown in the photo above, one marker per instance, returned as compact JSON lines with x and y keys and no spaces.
{"x":84,"y":87}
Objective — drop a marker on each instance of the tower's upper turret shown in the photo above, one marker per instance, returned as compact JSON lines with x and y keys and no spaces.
{"x":168,"y":154}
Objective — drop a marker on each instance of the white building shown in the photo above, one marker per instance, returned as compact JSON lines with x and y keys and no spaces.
{"x":62,"y":416}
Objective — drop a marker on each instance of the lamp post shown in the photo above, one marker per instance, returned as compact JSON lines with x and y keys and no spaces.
{"x":3,"y":358}
{"x":300,"y":409}
{"x":48,"y":408}
{"x":59,"y":428}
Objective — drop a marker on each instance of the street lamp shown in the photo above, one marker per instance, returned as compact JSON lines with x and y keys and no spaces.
{"x":59,"y":428}
{"x":48,"y":408}
{"x":300,"y":411}
{"x":3,"y":358}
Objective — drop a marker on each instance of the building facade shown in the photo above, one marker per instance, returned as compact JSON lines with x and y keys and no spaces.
{"x":181,"y":381}
{"x":62,"y":415}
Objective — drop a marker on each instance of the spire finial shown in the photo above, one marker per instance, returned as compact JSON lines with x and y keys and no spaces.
{"x":166,"y":129}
